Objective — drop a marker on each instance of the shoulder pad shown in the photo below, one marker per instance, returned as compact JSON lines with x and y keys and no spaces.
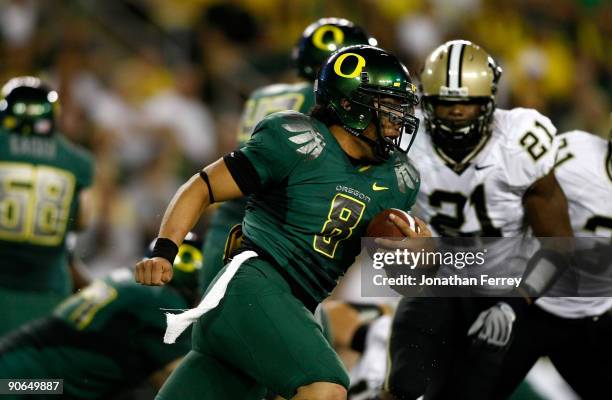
{"x":302,"y":132}
{"x":578,"y":136}
{"x":290,"y":118}
{"x":578,"y":142}
{"x":517,"y":122}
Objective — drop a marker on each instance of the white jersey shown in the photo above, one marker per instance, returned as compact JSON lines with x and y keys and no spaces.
{"x":584,"y":172}
{"x":486,"y":198}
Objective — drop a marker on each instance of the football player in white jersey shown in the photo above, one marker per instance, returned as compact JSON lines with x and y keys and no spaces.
{"x":485,"y":172}
{"x":575,"y":332}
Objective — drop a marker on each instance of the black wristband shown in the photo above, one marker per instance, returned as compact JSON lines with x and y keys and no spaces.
{"x":165,"y":248}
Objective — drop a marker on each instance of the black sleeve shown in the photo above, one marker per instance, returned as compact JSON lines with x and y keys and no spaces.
{"x":243,"y":172}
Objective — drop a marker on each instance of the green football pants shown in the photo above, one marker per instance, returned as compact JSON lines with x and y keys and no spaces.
{"x":259,"y":337}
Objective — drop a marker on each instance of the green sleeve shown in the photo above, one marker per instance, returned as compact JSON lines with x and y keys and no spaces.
{"x":88,"y":175}
{"x":81,"y":162}
{"x":86,"y":169}
{"x":271,"y":152}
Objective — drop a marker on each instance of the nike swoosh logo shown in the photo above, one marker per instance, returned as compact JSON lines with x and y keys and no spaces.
{"x":377,"y":188}
{"x":479,"y":167}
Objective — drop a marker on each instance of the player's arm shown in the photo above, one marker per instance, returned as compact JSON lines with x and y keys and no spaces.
{"x":266,"y":159}
{"x":85,"y":209}
{"x":546,"y":208}
{"x":213,"y":183}
{"x":547,"y":214}
{"x":194,"y":196}
{"x":546,"y":211}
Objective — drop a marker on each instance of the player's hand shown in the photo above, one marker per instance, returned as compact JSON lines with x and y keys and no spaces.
{"x":422,"y":232}
{"x":156,"y":271}
{"x":493,"y":327}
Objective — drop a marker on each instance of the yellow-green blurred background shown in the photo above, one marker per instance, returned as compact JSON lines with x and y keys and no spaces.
{"x":155,"y":87}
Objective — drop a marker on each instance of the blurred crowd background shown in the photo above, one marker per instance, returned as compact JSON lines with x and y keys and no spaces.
{"x":154,"y":88}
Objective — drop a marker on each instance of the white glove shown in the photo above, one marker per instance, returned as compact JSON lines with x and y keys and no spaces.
{"x":494,"y":325}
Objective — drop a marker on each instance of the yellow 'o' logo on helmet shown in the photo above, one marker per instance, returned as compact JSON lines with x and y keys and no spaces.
{"x":188,"y":259}
{"x":317,"y":37}
{"x":361,"y":62}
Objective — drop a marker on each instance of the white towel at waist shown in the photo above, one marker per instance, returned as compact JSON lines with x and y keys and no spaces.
{"x":177,"y":323}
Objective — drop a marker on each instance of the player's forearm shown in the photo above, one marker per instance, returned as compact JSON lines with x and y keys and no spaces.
{"x":185,"y":209}
{"x":194,"y":196}
{"x":85,"y":213}
{"x":547,"y":211}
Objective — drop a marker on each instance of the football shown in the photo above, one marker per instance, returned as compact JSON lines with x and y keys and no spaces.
{"x":382,"y":226}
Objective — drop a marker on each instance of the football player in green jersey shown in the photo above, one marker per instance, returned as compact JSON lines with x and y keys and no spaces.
{"x":43,"y":194}
{"x":105,"y":339}
{"x":314,"y":182}
{"x":318,"y":41}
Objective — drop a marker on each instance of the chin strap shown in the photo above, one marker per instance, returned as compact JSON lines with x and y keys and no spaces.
{"x":378,"y":146}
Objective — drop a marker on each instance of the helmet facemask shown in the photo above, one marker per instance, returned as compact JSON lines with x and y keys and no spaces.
{"x":399,"y":113}
{"x":458,"y":140}
{"x":375,"y":101}
{"x":27,"y":107}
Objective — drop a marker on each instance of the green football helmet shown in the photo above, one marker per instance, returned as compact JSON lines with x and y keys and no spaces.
{"x":365,"y":76}
{"x":27,"y":106}
{"x":187,"y":266}
{"x":321,"y":38}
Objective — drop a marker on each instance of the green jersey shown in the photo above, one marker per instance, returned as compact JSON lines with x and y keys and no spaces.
{"x":105,"y":339}
{"x":40,"y":180}
{"x":315,"y":203}
{"x":262,"y":102}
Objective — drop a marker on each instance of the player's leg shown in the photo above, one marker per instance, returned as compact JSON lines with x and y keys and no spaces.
{"x":533,"y":336}
{"x":584,"y":360}
{"x":421,"y":347}
{"x":201,"y":376}
{"x":262,"y":329}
